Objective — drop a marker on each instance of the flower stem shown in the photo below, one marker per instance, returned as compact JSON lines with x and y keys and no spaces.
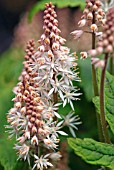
{"x":55,"y":98}
{"x":111,"y":65}
{"x":95,"y":86}
{"x":102,"y":104}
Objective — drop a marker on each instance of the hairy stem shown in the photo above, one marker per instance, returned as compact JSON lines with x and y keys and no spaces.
{"x":102,"y":103}
{"x":95,"y":86}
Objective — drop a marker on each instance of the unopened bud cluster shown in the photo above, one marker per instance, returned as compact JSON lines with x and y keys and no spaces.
{"x":107,"y":43}
{"x":45,"y":83}
{"x":93,"y":17}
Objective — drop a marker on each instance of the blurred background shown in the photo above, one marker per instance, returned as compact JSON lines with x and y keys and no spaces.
{"x":19,"y":23}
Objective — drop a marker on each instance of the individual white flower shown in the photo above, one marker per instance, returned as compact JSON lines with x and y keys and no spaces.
{"x":51,"y":108}
{"x":42,"y":162}
{"x":69,"y":96}
{"x":34,"y":140}
{"x":72,"y":121}
{"x":12,"y":131}
{"x":17,"y":120}
{"x":99,"y":35}
{"x":77,"y":33}
{"x":41,"y":48}
{"x":54,"y":128}
{"x":23,"y":152}
{"x":83,"y":55}
{"x":51,"y":142}
{"x":106,"y":5}
{"x":55,"y":156}
{"x":82,"y":22}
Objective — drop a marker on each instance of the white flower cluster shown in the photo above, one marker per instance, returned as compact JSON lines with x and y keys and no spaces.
{"x":106,"y":5}
{"x":45,"y":83}
{"x":55,"y":74}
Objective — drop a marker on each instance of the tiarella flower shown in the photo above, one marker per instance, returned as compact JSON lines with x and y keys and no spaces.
{"x":83,"y":55}
{"x":70,"y":96}
{"x":106,"y":44}
{"x":51,"y":142}
{"x":99,"y":35}
{"x":93,"y":17}
{"x":107,"y":4}
{"x":55,"y":156}
{"x":23,"y":152}
{"x":56,"y":74}
{"x":42,"y":162}
{"x":34,"y":140}
{"x":45,"y":84}
{"x":51,"y":108}
{"x":77,"y":33}
{"x":72,"y":121}
{"x":82,"y":22}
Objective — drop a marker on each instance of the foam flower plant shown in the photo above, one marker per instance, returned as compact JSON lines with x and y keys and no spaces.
{"x":93,"y":17}
{"x":45,"y":83}
{"x":106,"y":45}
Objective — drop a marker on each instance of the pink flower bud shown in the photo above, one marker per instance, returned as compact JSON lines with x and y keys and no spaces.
{"x":109,"y":48}
{"x":95,"y":8}
{"x":90,"y":16}
{"x":93,"y":53}
{"x":99,"y":50}
{"x":94,"y":28}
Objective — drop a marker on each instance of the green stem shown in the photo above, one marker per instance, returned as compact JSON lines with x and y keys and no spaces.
{"x":95,"y":86}
{"x":102,"y":104}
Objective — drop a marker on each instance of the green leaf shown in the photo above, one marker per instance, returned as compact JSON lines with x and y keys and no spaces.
{"x":93,"y":152}
{"x":109,"y":99}
{"x":8,"y":156}
{"x":10,"y":68}
{"x":109,"y":93}
{"x":59,"y":3}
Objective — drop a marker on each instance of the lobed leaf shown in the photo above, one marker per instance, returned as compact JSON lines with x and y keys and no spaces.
{"x":93,"y":152}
